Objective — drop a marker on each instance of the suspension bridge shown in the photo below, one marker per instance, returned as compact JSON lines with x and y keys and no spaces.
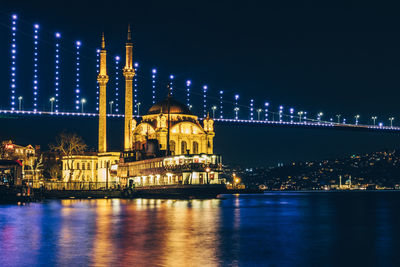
{"x":222,"y":107}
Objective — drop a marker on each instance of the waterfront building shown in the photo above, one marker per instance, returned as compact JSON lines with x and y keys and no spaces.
{"x":188,"y":159}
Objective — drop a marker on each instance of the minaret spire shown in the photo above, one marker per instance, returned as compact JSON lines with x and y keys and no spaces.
{"x":102,"y":79}
{"x":129,"y":73}
{"x":129,"y":33}
{"x":103,"y":43}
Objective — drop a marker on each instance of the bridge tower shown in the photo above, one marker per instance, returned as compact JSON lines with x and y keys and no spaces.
{"x":102,"y":79}
{"x":129,"y":73}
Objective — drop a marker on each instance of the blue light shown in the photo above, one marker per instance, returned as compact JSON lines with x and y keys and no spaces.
{"x":280,"y":113}
{"x":13,"y":63}
{"x":266,"y":105}
{"x":251,"y":109}
{"x":236,"y":108}
{"x":221,"y":106}
{"x":153,"y":85}
{"x":205,"y":100}
{"x":35,"y":66}
{"x":188,"y":83}
{"x":57,"y":72}
{"x":77,"y":83}
{"x":97,"y":84}
{"x":135,"y":88}
{"x":117,"y":58}
{"x":171,"y":84}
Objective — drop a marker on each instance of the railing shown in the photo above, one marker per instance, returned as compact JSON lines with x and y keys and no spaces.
{"x":75,"y":185}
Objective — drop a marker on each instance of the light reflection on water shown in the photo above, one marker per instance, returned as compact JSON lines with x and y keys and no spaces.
{"x":301,"y":229}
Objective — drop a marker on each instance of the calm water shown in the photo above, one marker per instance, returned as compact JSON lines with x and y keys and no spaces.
{"x":276,"y":229}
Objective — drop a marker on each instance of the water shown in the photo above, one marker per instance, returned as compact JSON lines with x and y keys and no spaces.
{"x":274,"y":229}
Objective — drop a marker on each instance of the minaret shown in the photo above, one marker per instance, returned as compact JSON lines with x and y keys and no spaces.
{"x":129,"y":73}
{"x":102,"y":79}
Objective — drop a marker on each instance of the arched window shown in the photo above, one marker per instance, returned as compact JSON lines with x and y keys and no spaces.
{"x":172,"y":147}
{"x":77,"y":165}
{"x":88,"y":166}
{"x":183,"y":147}
{"x":83,"y":165}
{"x":195,"y":147}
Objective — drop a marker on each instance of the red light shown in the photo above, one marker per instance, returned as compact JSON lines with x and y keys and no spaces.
{"x":9,"y":146}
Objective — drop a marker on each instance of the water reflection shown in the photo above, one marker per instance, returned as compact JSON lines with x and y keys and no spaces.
{"x":274,"y":229}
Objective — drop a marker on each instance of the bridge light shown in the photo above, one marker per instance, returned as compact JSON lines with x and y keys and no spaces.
{"x":205,"y":87}
{"x":117,"y":76}
{"x":97,"y":84}
{"x":188,"y":83}
{"x":266,"y":105}
{"x":77,"y":74}
{"x":135,"y":87}
{"x":57,"y":71}
{"x":153,"y":85}
{"x":35,"y":66}
{"x":13,"y":85}
{"x":221,"y":105}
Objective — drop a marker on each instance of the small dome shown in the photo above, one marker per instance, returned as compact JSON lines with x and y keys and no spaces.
{"x":176,"y":107}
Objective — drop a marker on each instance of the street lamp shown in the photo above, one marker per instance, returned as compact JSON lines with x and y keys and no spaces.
{"x":236,"y":112}
{"x":357,"y":117}
{"x":374,"y":119}
{"x":391,"y":121}
{"x":258,"y":113}
{"x":138,"y":108}
{"x":20,"y":102}
{"x":51,"y":104}
{"x":300,"y":113}
{"x":111,"y":104}
{"x":213,"y":110}
{"x":319,"y":115}
{"x":83,"y":101}
{"x":338,"y":118}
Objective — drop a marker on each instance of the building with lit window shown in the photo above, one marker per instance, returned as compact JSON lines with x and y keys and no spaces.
{"x":189,"y":159}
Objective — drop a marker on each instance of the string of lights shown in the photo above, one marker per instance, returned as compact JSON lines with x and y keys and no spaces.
{"x":266,"y":106}
{"x":35,"y":65}
{"x":13,"y":85}
{"x":117,"y":59}
{"x":236,"y":109}
{"x":251,"y":109}
{"x":135,"y":88}
{"x":188,"y":83}
{"x":221,"y":106}
{"x":57,"y":71}
{"x":77,"y":81}
{"x":171,"y":84}
{"x":153,"y":85}
{"x":97,"y":84}
{"x":205,"y":87}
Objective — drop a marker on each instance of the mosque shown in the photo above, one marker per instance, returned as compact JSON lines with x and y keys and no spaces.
{"x":169,"y":146}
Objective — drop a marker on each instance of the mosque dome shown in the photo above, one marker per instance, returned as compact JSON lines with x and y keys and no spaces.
{"x":176,"y":107}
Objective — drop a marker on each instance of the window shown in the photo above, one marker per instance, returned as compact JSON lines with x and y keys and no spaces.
{"x":183,"y":147}
{"x":77,"y":165}
{"x":195,"y":147}
{"x":172,"y":147}
{"x":88,"y":166}
{"x":83,"y":165}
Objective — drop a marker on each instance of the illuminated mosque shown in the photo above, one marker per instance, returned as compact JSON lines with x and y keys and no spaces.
{"x":148,"y":158}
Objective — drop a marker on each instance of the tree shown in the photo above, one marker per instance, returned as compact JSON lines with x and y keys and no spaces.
{"x":69,"y":144}
{"x":36,"y":167}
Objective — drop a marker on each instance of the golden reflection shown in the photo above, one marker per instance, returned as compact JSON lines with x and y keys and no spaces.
{"x":102,"y":246}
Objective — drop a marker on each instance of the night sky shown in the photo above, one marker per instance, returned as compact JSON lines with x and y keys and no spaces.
{"x":338,"y":58}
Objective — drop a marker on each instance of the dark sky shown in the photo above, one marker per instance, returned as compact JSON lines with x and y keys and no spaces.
{"x":334,"y":57}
